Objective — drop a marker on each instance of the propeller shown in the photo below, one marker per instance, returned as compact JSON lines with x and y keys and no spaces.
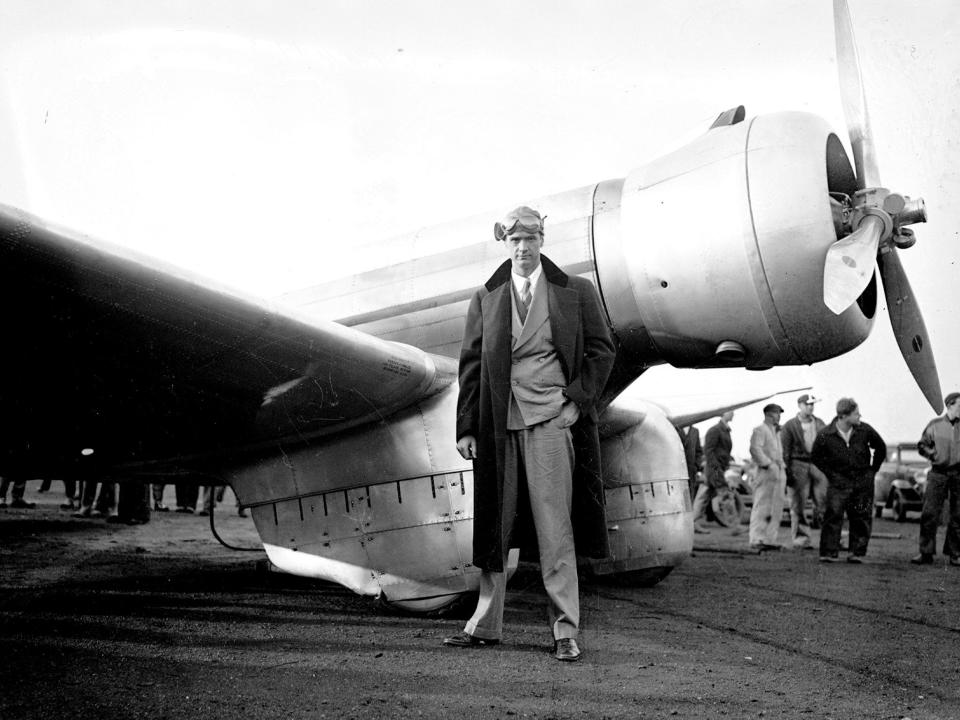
{"x":878,"y":220}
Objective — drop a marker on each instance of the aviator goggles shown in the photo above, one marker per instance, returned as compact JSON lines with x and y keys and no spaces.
{"x":530,"y":223}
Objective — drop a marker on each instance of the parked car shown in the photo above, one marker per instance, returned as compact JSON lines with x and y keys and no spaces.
{"x":900,"y":481}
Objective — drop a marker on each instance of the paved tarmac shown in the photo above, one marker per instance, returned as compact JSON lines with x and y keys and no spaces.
{"x":161,"y":621}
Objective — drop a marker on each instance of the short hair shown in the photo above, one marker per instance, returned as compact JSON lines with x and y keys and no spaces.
{"x":845,"y":406}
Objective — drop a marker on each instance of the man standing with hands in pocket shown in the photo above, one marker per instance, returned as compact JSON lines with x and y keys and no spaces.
{"x":535,"y":357}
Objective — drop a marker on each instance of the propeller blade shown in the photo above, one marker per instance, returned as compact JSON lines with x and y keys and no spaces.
{"x":853,"y":99}
{"x":849,"y":265}
{"x":909,"y":329}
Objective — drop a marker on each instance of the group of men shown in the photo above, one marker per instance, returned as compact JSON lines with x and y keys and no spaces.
{"x":834,"y":465}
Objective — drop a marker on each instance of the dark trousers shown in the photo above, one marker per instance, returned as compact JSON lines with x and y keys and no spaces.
{"x":106,"y":500}
{"x":187,"y":495}
{"x":134,"y":501}
{"x":857,"y":502}
{"x":940,"y":487}
{"x":19,"y":486}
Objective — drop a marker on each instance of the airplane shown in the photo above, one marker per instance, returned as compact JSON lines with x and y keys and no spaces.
{"x":333,"y":421}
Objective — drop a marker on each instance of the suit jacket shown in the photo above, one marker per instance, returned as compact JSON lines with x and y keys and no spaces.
{"x":586,"y":353}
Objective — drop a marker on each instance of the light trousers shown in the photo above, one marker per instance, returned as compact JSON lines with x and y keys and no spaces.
{"x":767,"y":505}
{"x":544,"y":454}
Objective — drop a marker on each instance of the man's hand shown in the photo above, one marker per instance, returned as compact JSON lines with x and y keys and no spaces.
{"x":569,"y":414}
{"x":467,"y":447}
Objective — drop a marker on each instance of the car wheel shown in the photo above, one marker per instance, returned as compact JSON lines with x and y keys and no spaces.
{"x":899,"y":509}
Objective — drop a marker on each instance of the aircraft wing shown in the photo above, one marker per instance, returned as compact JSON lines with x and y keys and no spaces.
{"x":115,"y":360}
{"x":626,"y":411}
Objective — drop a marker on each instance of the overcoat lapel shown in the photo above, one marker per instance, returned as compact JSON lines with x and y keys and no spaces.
{"x":497,"y":311}
{"x":564,"y":323}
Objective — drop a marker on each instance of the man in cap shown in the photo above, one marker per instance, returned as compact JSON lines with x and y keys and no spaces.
{"x":770,"y":481}
{"x":535,"y":357}
{"x":849,"y":452}
{"x":797,"y":438}
{"x":940,"y":444}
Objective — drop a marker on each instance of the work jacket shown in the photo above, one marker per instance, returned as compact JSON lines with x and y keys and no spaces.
{"x":766,"y":452}
{"x":586,"y":352}
{"x":791,"y":438}
{"x":940,"y":444}
{"x":848,"y":466}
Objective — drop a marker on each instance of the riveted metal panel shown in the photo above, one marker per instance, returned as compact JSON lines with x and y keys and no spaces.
{"x":406,"y":504}
{"x":426,"y":554}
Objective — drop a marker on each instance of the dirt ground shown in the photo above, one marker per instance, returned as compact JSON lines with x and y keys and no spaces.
{"x":161,"y":621}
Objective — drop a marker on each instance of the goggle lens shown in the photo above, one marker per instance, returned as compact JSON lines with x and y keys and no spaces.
{"x":530,"y":223}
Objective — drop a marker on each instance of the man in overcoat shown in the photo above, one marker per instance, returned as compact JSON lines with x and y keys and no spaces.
{"x":536,"y":355}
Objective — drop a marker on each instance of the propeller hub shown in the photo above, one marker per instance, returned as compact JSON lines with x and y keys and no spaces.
{"x":894,"y":210}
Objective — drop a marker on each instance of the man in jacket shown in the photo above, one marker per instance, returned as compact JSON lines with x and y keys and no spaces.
{"x":797,"y":438}
{"x":940,"y":444}
{"x":843,"y":451}
{"x":717,"y":450}
{"x":535,"y":357}
{"x":770,"y":482}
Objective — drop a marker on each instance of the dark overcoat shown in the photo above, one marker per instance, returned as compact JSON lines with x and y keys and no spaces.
{"x":586,"y":353}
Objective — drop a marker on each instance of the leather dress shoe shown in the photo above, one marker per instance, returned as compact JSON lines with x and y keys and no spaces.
{"x":922,"y":559}
{"x":855,"y":559}
{"x":829,"y":559}
{"x":565,"y":649}
{"x":464,"y":639}
{"x":22,"y":504}
{"x":955,"y":560}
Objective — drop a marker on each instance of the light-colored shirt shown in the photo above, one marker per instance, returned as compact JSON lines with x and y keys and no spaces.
{"x":809,"y":432}
{"x":518,"y":280}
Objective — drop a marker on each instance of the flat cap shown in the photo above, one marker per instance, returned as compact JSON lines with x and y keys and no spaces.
{"x":772,"y":407}
{"x":951,"y":397}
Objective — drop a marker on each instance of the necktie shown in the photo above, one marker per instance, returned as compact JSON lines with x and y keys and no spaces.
{"x":524,"y":300}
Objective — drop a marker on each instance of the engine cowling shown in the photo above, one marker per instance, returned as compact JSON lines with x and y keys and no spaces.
{"x":713,"y":255}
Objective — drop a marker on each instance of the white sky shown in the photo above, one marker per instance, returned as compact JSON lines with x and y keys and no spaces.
{"x":262,"y":143}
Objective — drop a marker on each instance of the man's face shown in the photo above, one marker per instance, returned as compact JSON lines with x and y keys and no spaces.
{"x":806,"y":410}
{"x":853,"y":419}
{"x":953,"y":409}
{"x":523,"y":249}
{"x":774,"y":416}
{"x":727,"y":416}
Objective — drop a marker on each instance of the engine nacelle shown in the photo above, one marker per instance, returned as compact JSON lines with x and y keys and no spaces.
{"x":649,"y":515}
{"x":713,"y":255}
